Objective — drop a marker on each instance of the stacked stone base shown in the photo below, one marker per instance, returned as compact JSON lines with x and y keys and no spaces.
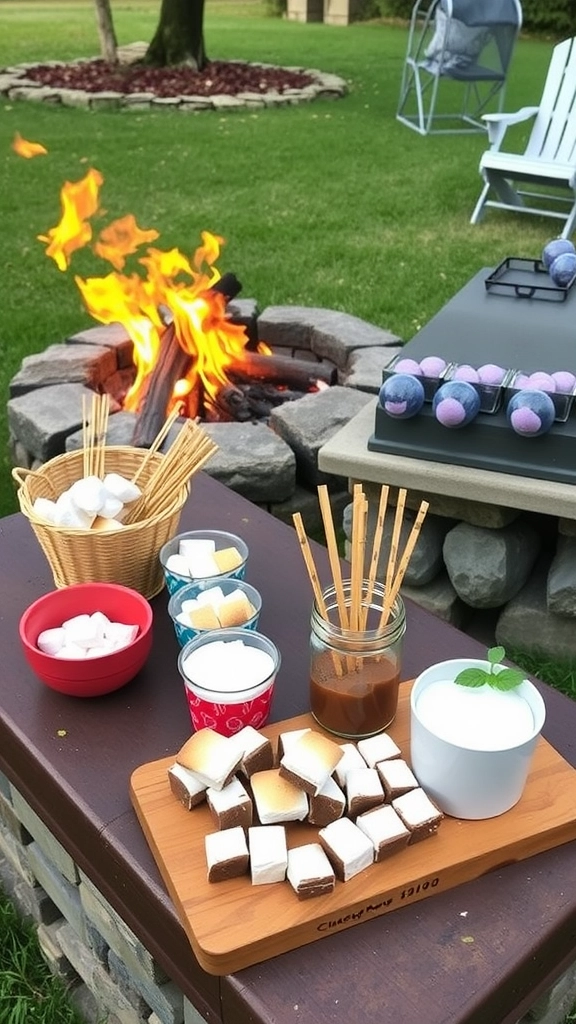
{"x":473,"y":557}
{"x":111,"y":976}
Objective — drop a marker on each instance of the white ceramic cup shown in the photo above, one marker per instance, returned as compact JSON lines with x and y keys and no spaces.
{"x":463,"y":782}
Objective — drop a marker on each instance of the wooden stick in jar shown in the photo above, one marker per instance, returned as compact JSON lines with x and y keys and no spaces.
{"x":392,"y":594}
{"x":314,"y":580}
{"x":333,"y":555}
{"x":377,"y":544}
{"x":396,"y":531}
{"x":357,"y":557}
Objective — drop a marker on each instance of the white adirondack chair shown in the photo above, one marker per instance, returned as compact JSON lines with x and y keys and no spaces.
{"x":549,"y":160}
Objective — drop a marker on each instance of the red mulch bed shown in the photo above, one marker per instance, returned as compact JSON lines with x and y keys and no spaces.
{"x":219,"y":77}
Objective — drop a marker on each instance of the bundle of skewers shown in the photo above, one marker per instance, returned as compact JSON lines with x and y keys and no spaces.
{"x":103,"y":512}
{"x":355,"y":597}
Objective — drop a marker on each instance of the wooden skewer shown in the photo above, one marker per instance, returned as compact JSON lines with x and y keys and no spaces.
{"x":378,"y":533}
{"x":314,"y":580}
{"x":396,"y":530}
{"x":333,"y":555}
{"x":392,"y":594}
{"x":356,"y":557}
{"x":158,"y":440}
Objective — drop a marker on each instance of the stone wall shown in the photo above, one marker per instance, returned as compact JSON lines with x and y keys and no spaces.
{"x":473,"y":557}
{"x":112,"y":977}
{"x":274,"y":465}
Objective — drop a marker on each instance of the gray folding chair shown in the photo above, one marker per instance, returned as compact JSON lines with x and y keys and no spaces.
{"x":457,"y":61}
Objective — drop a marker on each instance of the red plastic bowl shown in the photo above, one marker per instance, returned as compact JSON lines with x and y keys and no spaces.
{"x":95,"y":676}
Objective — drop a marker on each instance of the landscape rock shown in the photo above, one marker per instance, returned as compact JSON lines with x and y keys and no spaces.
{"x":488,"y":567}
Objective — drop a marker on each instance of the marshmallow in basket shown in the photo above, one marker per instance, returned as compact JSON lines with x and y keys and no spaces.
{"x":90,"y":503}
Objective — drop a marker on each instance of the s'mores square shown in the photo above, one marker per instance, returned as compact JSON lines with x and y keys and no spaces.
{"x":378,"y":748}
{"x":226,"y":854}
{"x":268,"y":853}
{"x":185,"y":786}
{"x":327,"y":805}
{"x":230,"y":806}
{"x":363,"y":790}
{"x":310,"y":873}
{"x":347,"y":847}
{"x":257,"y":752}
{"x":310,"y":761}
{"x":351,"y":758}
{"x":277,"y":799}
{"x":397,"y":778}
{"x":385,"y":828}
{"x":212,"y":757}
{"x":419,"y":814}
{"x":286,"y":739}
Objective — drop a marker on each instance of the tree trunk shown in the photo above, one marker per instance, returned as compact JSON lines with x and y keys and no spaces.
{"x":179,"y":38}
{"x":106,"y":33}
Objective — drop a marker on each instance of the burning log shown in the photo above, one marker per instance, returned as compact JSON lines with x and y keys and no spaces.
{"x":292,"y":373}
{"x":172,"y":364}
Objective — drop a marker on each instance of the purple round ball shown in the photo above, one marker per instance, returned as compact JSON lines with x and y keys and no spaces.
{"x":521,"y":380}
{"x":540,"y":381}
{"x":530,"y":413}
{"x":432,"y":366}
{"x":456,"y":404}
{"x":466,"y":372}
{"x":491,"y":373}
{"x":555,"y":248}
{"x":402,"y":396}
{"x":563,"y":269}
{"x":565,"y":381}
{"x":408,"y":366}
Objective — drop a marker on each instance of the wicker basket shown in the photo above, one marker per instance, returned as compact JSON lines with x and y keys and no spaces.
{"x":128,"y":556}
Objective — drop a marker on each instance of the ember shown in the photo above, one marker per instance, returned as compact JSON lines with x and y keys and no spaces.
{"x":187,"y":348}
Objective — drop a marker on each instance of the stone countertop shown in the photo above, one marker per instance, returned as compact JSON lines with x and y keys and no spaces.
{"x":346,"y":454}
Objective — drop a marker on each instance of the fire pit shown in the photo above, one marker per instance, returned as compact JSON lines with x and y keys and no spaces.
{"x":174,"y":333}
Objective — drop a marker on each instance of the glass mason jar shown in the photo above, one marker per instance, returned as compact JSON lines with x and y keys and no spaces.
{"x":354,"y":674}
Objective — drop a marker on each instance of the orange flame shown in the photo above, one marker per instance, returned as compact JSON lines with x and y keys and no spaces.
{"x":174,"y":289}
{"x":79,"y":201}
{"x":22,"y":147}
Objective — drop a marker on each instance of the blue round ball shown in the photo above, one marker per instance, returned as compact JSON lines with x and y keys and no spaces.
{"x":402,"y":396}
{"x":530,"y":413}
{"x":563,"y":269}
{"x":456,"y":404}
{"x":555,"y":248}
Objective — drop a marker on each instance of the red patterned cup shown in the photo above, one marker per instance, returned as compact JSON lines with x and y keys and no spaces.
{"x":220,"y":699}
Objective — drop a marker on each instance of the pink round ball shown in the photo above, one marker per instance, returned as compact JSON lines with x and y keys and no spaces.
{"x":541,"y":381}
{"x":432,"y":366}
{"x":466,"y":372}
{"x":491,"y":373}
{"x":521,"y":380}
{"x":408,"y":366}
{"x":565,"y":381}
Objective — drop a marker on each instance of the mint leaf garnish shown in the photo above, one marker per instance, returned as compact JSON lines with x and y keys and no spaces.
{"x":505,"y":679}
{"x":472,"y":677}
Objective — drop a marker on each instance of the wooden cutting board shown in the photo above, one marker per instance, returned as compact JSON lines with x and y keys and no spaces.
{"x":233,"y":924}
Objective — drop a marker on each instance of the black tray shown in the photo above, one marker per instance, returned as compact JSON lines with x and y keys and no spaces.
{"x":526,"y":279}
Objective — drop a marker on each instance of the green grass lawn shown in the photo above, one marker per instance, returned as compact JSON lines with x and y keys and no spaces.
{"x":329,"y":204}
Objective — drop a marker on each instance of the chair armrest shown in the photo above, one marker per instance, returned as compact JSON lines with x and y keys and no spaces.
{"x":498,"y":123}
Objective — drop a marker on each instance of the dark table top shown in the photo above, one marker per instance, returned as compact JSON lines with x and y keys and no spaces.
{"x":410,"y":965}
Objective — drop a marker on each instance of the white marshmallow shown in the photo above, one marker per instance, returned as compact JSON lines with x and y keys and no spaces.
{"x":201,"y":565}
{"x":68,"y":515}
{"x":192,"y":546}
{"x":120,"y":634}
{"x":121,"y":488}
{"x":82,"y":631}
{"x":178,"y":565}
{"x":111,"y":507}
{"x":51,"y":640}
{"x":213,"y":596}
{"x":45,"y":508}
{"x":268,"y":853}
{"x":88,"y":494}
{"x":71,"y":652}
